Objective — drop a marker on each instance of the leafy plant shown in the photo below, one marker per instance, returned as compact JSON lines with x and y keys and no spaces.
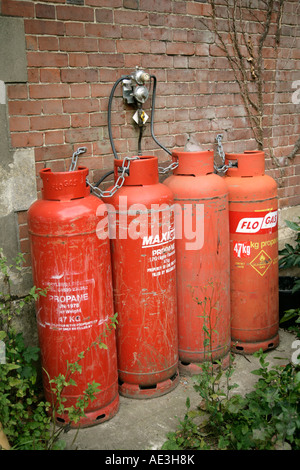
{"x":290,"y":257}
{"x":265,"y":419}
{"x":23,"y":413}
{"x":189,"y":434}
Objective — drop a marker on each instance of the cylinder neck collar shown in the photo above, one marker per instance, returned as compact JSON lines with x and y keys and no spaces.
{"x":64,"y":185}
{"x":194,"y":163}
{"x":143,"y":171}
{"x":249,"y":163}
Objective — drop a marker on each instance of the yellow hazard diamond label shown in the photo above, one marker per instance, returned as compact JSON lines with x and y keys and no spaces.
{"x":261,"y":263}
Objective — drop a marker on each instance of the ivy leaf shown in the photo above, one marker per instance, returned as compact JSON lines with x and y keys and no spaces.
{"x":293,"y":225}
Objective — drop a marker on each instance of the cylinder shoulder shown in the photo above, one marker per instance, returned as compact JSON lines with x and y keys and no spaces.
{"x":145,"y":195}
{"x":257,"y":187}
{"x":196,"y":187}
{"x":64,"y":215}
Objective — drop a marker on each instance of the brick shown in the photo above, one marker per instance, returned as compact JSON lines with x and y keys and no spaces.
{"x":179,"y":8}
{"x":82,"y":135}
{"x":131,"y":17}
{"x":43,"y":91}
{"x":105,"y":3}
{"x":202,"y":50}
{"x":103,"y":30}
{"x":53,"y":152}
{"x":198,"y":9}
{"x":17,"y":91}
{"x":198,"y":36}
{"x":44,"y":11}
{"x":19,"y":123}
{"x":47,"y":59}
{"x":79,"y":75}
{"x":162,"y":6}
{"x":49,"y":122}
{"x":23,"y":232}
{"x":26,"y":108}
{"x":22,"y":217}
{"x":80,"y":105}
{"x":33,"y":75}
{"x":104,"y":15}
{"x":161,"y":34}
{"x":26,"y":139}
{"x":154,"y":61}
{"x":156,"y":19}
{"x":48,"y":43}
{"x":54,"y":137}
{"x":180,"y":62}
{"x":106,"y":60}
{"x":98,"y":119}
{"x":17,"y":8}
{"x":80,"y":90}
{"x":35,"y":26}
{"x":180,"y":48}
{"x":74,"y":13}
{"x":78,"y":44}
{"x":100,"y":89}
{"x":132,"y":4}
{"x":214,"y":50}
{"x":52,"y":106}
{"x":25,"y":246}
{"x":107,"y":45}
{"x":131,"y":32}
{"x":178,"y":21}
{"x":158,"y":47}
{"x":181,"y":75}
{"x":179,"y":35}
{"x":31,"y":43}
{"x":50,"y":75}
{"x":75,"y":29}
{"x":78,"y":60}
{"x":138,"y":46}
{"x":80,"y":120}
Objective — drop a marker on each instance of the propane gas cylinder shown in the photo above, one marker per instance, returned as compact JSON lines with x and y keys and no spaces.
{"x":141,"y":225}
{"x":253,"y":208}
{"x":203,"y":263}
{"x":73,"y":264}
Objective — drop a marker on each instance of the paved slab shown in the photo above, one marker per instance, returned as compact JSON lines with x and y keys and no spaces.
{"x":144,"y":424}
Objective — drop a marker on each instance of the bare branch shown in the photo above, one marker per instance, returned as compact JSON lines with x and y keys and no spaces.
{"x":295,"y":150}
{"x":248,"y":66}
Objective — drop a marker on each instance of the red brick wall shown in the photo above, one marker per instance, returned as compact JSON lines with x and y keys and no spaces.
{"x":75,"y":53}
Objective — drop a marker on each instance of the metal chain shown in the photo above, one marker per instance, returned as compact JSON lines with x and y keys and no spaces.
{"x":163,"y":170}
{"x":75,"y":156}
{"x":118,"y":184}
{"x":220,"y":148}
{"x":224,"y":168}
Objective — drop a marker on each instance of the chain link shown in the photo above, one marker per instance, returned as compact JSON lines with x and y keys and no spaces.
{"x":118,"y":184}
{"x":220,"y":147}
{"x":75,"y":156}
{"x":224,"y":168}
{"x":163,"y":170}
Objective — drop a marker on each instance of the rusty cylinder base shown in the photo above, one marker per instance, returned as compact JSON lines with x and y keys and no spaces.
{"x":194,"y":368}
{"x":151,"y":391}
{"x":250,"y":348}
{"x":95,"y":417}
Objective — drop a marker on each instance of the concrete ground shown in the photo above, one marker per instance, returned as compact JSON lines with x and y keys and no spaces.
{"x":144,"y":424}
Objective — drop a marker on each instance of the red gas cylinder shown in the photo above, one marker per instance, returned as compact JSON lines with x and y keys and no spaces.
{"x":144,"y":280}
{"x":73,"y":263}
{"x":253,"y":208}
{"x":203,"y":263}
